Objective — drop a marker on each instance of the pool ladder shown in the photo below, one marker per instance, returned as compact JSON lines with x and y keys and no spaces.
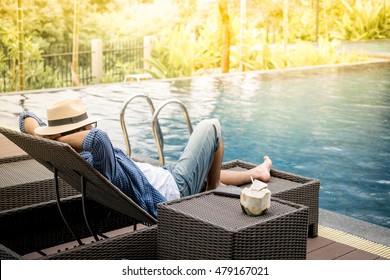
{"x":157,"y":134}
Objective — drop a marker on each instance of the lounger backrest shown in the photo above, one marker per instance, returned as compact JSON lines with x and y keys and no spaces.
{"x":72,"y":167}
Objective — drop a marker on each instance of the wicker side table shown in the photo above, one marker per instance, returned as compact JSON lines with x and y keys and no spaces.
{"x":213,"y":226}
{"x":286,"y":186}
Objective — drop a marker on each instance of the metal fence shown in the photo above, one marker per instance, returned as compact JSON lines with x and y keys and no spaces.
{"x":6,"y":81}
{"x":54,"y":70}
{"x":120,"y":57}
{"x":59,"y":60}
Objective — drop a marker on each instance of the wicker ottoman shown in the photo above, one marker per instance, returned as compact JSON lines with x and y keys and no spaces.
{"x":213,"y":226}
{"x":287,"y":186}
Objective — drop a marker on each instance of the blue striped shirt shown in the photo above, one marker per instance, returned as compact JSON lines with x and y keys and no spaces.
{"x":116,"y":166}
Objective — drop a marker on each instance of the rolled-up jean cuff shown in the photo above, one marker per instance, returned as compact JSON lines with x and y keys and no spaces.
{"x":191,"y":169}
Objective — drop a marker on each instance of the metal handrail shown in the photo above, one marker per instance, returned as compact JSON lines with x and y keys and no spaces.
{"x":155,"y":126}
{"x":159,"y":139}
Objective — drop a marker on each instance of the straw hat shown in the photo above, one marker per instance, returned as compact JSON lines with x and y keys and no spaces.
{"x":65,"y":115}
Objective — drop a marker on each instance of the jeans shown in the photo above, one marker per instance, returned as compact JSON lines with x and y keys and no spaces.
{"x":191,"y":169}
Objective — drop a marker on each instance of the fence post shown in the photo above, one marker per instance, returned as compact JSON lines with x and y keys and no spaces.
{"x":147,"y":50}
{"x":97,"y":60}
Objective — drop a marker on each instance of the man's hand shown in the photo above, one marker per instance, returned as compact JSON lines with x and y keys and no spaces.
{"x":51,"y":137}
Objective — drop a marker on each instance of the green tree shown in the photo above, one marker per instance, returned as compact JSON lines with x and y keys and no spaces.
{"x":226,"y":35}
{"x":75,"y":52}
{"x":20,"y":45}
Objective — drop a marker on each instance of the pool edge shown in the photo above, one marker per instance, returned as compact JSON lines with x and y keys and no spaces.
{"x":353,"y":226}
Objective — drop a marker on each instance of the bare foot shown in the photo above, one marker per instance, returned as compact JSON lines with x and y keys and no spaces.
{"x":238,"y":178}
{"x":262,"y":171}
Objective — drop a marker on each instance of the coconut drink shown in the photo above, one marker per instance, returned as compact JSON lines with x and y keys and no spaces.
{"x":256,"y":199}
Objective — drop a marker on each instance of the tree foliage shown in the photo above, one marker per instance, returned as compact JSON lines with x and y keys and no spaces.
{"x":188,"y":33}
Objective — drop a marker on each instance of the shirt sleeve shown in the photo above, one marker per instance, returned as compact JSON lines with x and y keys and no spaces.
{"x":99,"y":146}
{"x":29,"y":114}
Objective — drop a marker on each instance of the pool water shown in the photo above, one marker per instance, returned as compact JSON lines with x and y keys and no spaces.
{"x":330,"y":123}
{"x":369,"y":46}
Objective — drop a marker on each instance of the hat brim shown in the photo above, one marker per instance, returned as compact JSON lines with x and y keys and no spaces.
{"x":52,"y":130}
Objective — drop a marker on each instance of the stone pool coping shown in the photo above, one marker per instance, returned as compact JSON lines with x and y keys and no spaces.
{"x":355,"y":226}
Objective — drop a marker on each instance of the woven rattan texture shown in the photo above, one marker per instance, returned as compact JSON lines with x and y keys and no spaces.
{"x":14,"y":158}
{"x":290,"y":187}
{"x":22,"y":195}
{"x":71,"y":167}
{"x":24,"y":181}
{"x":136,"y":245}
{"x":7,"y":254}
{"x":39,"y":226}
{"x":21,"y":172}
{"x":209,"y":226}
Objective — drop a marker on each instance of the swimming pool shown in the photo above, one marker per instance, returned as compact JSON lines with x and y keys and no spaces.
{"x":370,"y":46}
{"x":330,"y":123}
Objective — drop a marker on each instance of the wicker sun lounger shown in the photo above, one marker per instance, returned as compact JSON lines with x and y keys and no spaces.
{"x":37,"y":227}
{"x":67,"y":164}
{"x":135,"y":245}
{"x":24,"y":181}
{"x":8,"y":254}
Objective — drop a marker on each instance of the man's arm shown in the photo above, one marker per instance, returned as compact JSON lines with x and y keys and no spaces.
{"x":75,"y":140}
{"x":30,"y":122}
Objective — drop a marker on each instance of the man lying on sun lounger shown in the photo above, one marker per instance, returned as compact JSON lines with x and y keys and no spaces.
{"x":146,"y":184}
